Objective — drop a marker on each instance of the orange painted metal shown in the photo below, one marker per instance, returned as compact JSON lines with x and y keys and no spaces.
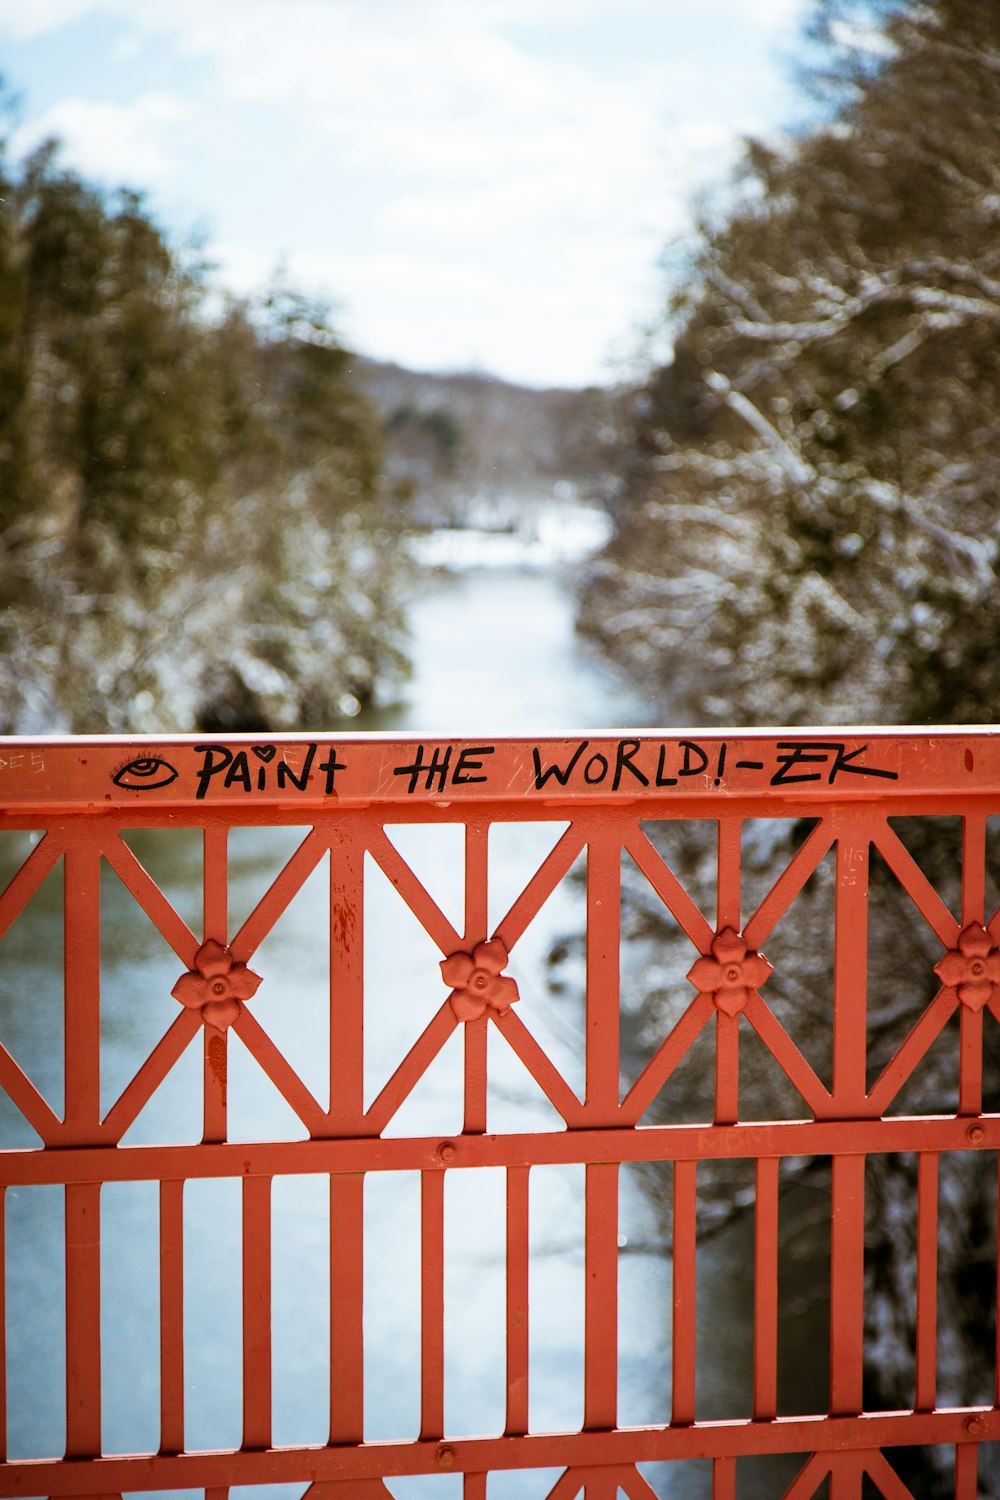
{"x":82,"y":792}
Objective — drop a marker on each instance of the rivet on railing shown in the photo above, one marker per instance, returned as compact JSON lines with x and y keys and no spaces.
{"x":478,"y":985}
{"x":216,"y":986}
{"x":732,"y":971}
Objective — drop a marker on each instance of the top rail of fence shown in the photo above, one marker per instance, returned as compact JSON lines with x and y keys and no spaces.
{"x":250,"y":773}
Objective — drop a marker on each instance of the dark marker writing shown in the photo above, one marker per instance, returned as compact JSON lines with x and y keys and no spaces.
{"x":437,"y":766}
{"x":147,"y":774}
{"x":661,"y":779}
{"x":561,"y":773}
{"x":689,"y":766}
{"x":596,"y":769}
{"x":437,"y":772}
{"x":628,"y":765}
{"x":466,"y":763}
{"x":793,"y":753}
{"x":627,"y":751}
{"x":235,"y":769}
{"x":797,"y":761}
{"x":285,"y":771}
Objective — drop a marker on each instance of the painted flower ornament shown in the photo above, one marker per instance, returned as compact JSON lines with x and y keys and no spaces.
{"x":477,"y":983}
{"x":216,"y":986}
{"x":973,"y":968}
{"x":730,"y":973}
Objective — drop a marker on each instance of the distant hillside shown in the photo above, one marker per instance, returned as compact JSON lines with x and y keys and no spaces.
{"x":459,"y":443}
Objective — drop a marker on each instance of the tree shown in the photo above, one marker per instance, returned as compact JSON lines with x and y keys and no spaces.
{"x":192,"y":526}
{"x":807,"y":531}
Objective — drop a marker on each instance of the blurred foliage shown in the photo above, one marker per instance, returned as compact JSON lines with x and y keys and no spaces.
{"x":807,"y":521}
{"x":192,"y":527}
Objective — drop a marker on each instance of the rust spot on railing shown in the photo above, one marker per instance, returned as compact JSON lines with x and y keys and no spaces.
{"x":217,"y":1061}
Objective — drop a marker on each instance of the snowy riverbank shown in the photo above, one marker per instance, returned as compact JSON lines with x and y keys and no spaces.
{"x":552,"y":534}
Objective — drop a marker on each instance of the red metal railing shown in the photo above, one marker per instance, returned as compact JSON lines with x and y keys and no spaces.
{"x":80,"y":794}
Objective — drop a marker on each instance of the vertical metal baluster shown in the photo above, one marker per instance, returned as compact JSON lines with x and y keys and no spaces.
{"x":970,"y":1061}
{"x":727,"y":1028}
{"x":847,"y":1281}
{"x":727,"y":1068}
{"x":82,"y":969}
{"x":684,"y":1276}
{"x":847,"y":1474}
{"x":3,"y":1323}
{"x":973,"y":868}
{"x":171,"y":1317}
{"x":517,"y":1300}
{"x":850,"y":1040}
{"x":474,"y":1079}
{"x":82,"y":963}
{"x":603,"y":942}
{"x":723,"y":1479}
{"x":970,"y":1024}
{"x":347,"y":980}
{"x":83,"y":1320}
{"x":966,"y":1471}
{"x":996,"y":1354}
{"x":216,"y":920}
{"x":346,"y":1117}
{"x":476,"y":930}
{"x":256,"y":1312}
{"x":432,"y":1304}
{"x":347,"y":1210}
{"x":602,"y":1103}
{"x":850,"y":1016}
{"x":600,"y":1483}
{"x":215,"y":874}
{"x":927,"y":1278}
{"x":765,"y":1291}
{"x":600,"y":1404}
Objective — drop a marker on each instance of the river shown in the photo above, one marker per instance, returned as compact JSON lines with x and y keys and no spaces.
{"x":495,"y":652}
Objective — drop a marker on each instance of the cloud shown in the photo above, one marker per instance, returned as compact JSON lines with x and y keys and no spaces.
{"x":420,"y":310}
{"x":22,"y":20}
{"x":134,"y":143}
{"x":485,"y":152}
{"x":431,"y":102}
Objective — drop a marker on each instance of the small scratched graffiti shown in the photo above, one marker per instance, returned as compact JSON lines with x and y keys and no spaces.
{"x":23,"y":760}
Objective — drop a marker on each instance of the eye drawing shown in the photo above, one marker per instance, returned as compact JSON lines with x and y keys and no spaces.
{"x":146,"y":774}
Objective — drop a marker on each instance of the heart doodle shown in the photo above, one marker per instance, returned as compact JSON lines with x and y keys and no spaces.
{"x":265,"y":752}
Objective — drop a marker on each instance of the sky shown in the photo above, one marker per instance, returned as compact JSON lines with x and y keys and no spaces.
{"x":472,"y":184}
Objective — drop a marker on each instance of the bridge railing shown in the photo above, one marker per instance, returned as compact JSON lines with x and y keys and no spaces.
{"x":836,"y":797}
